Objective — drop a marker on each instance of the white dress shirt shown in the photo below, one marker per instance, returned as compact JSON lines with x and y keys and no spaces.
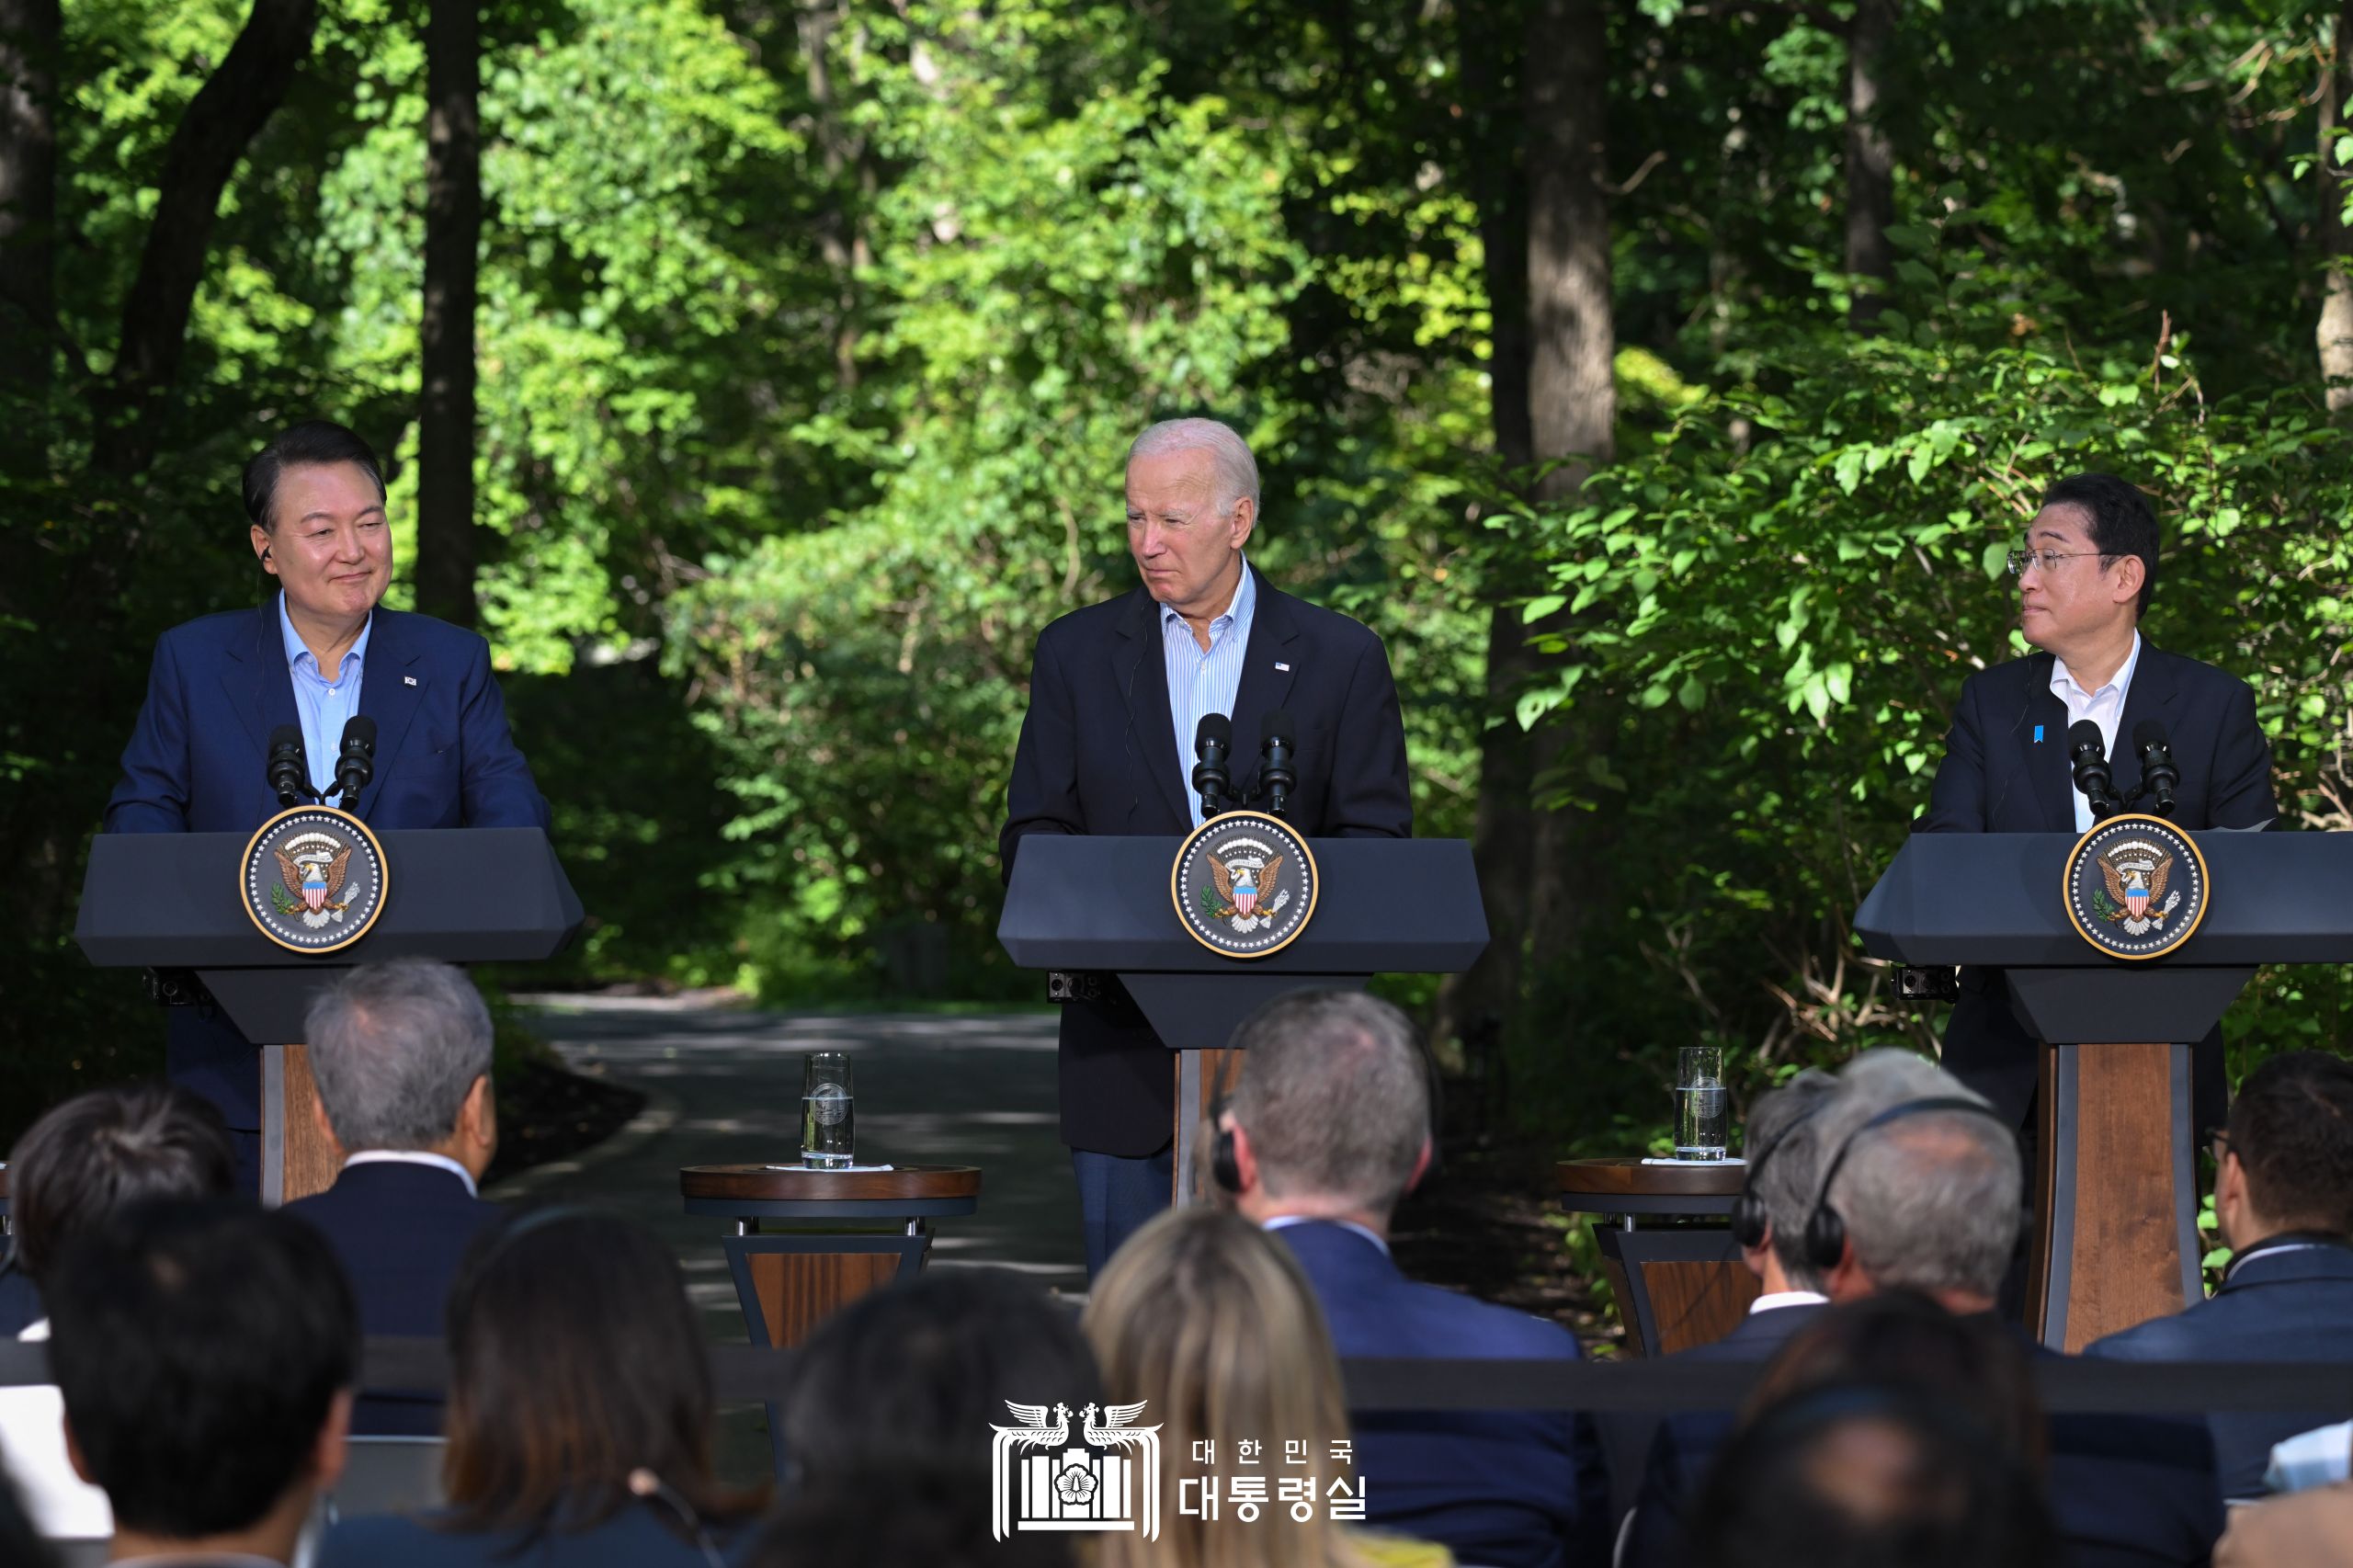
{"x":1285,"y":1221}
{"x":61,"y":1505}
{"x":2104,"y":708}
{"x":1771,"y":1300}
{"x":413,"y":1157}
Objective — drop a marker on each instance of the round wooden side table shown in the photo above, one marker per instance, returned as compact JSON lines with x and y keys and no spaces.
{"x":1679,"y":1280}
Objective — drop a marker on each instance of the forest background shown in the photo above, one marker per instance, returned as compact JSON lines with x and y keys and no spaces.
{"x":1662,"y":379}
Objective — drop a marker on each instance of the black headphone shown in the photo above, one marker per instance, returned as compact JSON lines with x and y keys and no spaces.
{"x":1226,"y":1167}
{"x":1749,"y":1221}
{"x":1826,"y":1228}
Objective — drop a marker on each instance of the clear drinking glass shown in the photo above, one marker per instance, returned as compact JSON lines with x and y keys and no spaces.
{"x":1702,"y":1109}
{"x":829,"y":1113}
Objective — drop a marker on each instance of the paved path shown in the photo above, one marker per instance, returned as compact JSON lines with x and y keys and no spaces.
{"x":975,"y":1089}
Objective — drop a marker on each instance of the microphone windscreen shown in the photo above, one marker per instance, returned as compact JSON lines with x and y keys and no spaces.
{"x":1213,"y":727}
{"x":2084,"y":735}
{"x":286,"y":737}
{"x":2146,"y":734}
{"x":360,"y":730}
{"x":1277,"y":726}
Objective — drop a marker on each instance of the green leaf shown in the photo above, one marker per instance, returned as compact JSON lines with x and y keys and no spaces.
{"x":1541,"y":606}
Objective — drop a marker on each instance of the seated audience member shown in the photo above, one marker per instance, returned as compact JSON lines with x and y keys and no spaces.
{"x":1328,"y":1128}
{"x":889,"y":1430}
{"x":1859,"y":1475}
{"x":580,"y":1411}
{"x":401,"y":1054}
{"x":74,"y":1168}
{"x":1780,"y":1182}
{"x":1919,"y":1191}
{"x":1214,"y":1328}
{"x":2284,"y":1199}
{"x":206,"y":1351}
{"x":2308,"y":1530}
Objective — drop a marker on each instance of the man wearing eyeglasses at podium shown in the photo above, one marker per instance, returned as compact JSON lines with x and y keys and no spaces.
{"x":2084,"y":580}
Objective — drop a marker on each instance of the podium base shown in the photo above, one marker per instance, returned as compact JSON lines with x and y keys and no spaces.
{"x":297,"y":1157}
{"x":2116,"y":1227}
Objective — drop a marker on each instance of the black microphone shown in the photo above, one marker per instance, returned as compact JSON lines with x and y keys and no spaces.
{"x":1275,"y":775}
{"x":1214,"y":743}
{"x":2088,"y":753}
{"x":357,"y":763}
{"x":289,"y":770}
{"x":2159,"y":776}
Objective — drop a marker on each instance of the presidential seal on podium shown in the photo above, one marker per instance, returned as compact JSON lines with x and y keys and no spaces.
{"x":313,"y":878}
{"x":2136,"y":887}
{"x":1244,"y":884}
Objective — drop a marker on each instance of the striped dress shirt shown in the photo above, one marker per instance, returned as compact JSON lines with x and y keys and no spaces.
{"x":1201,"y":683}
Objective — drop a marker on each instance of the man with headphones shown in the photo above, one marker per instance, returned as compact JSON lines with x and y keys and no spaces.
{"x":1328,"y":1126}
{"x":1768,"y":1221}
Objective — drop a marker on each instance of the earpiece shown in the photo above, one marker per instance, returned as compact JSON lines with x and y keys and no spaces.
{"x":1750,"y":1222}
{"x":1826,"y":1228}
{"x":265,"y":552}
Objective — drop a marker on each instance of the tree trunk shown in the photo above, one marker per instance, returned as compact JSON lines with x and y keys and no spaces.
{"x":841,"y":232}
{"x":29,"y":32}
{"x":446,"y":540}
{"x":1572,"y":391}
{"x":1870,"y":161}
{"x":2335,"y":334}
{"x":221,"y":122}
{"x":1477,"y":1003}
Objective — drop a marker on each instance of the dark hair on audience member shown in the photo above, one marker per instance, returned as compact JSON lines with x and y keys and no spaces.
{"x":2291,"y":1127}
{"x":882,"y":1522}
{"x":315,"y":443}
{"x":1859,"y":1475}
{"x":574,"y":1360}
{"x":2121,"y":522}
{"x":1969,"y":1366}
{"x":909,"y":1380}
{"x":102,"y":1151}
{"x":200,"y":1347}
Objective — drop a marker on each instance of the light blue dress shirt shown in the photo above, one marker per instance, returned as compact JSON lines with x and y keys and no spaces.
{"x":326,"y":706}
{"x":1202,"y":683}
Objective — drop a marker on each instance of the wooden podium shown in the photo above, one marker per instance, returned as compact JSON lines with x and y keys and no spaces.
{"x":2116,"y":1236}
{"x":170,"y":901}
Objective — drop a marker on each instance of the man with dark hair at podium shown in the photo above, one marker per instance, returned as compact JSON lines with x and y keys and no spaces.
{"x":1328,"y":1128}
{"x":2283,"y":1197}
{"x":2085,"y":578}
{"x":318,"y":653}
{"x":1116,"y":695}
{"x":401,"y":1054}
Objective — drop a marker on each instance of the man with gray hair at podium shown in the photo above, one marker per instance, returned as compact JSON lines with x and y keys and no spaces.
{"x":401,"y":1053}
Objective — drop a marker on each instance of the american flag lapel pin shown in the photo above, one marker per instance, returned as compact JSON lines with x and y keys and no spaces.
{"x":1281,"y":666}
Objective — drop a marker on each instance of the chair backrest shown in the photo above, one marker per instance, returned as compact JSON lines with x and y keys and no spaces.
{"x":388,"y":1475}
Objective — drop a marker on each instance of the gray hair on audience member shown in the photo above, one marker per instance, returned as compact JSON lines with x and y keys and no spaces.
{"x":395,"y":1048}
{"x":1334,"y":1097}
{"x":1236,"y":469}
{"x":1931,"y":1201}
{"x":1783,"y":1139}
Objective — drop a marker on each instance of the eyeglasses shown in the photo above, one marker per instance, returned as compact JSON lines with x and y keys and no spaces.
{"x":2049,"y":559}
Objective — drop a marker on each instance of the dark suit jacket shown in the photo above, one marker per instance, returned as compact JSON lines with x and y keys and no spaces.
{"x":1998,"y":776}
{"x":1098,"y":754}
{"x":20,"y":1305}
{"x":2273,"y":1306}
{"x":400,"y":1231}
{"x":1507,"y":1489}
{"x":641,"y":1537}
{"x":1686,"y":1444}
{"x":197,"y":763}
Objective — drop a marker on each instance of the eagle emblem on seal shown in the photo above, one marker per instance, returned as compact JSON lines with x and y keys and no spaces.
{"x":312,"y":869}
{"x":1242,"y":888}
{"x":2136,"y":872}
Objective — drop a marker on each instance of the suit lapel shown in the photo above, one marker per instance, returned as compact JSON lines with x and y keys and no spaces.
{"x":2149,"y":697}
{"x":1267,"y":666}
{"x":1143,"y":675}
{"x":2046,"y":759}
{"x":392,"y":689}
{"x":259,"y":688}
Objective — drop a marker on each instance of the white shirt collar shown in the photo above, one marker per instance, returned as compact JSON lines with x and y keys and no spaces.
{"x":2063,"y":681}
{"x":1285,"y":1221}
{"x":413,"y":1157}
{"x":1772,"y":1300}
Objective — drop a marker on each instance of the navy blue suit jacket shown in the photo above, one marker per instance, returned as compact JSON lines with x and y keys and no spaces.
{"x":1686,"y":1444}
{"x":2273,"y":1306}
{"x":1507,"y":1489}
{"x":640,"y":1536}
{"x":197,"y":763}
{"x":1098,"y":754}
{"x":2006,"y":770}
{"x":400,"y":1231}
